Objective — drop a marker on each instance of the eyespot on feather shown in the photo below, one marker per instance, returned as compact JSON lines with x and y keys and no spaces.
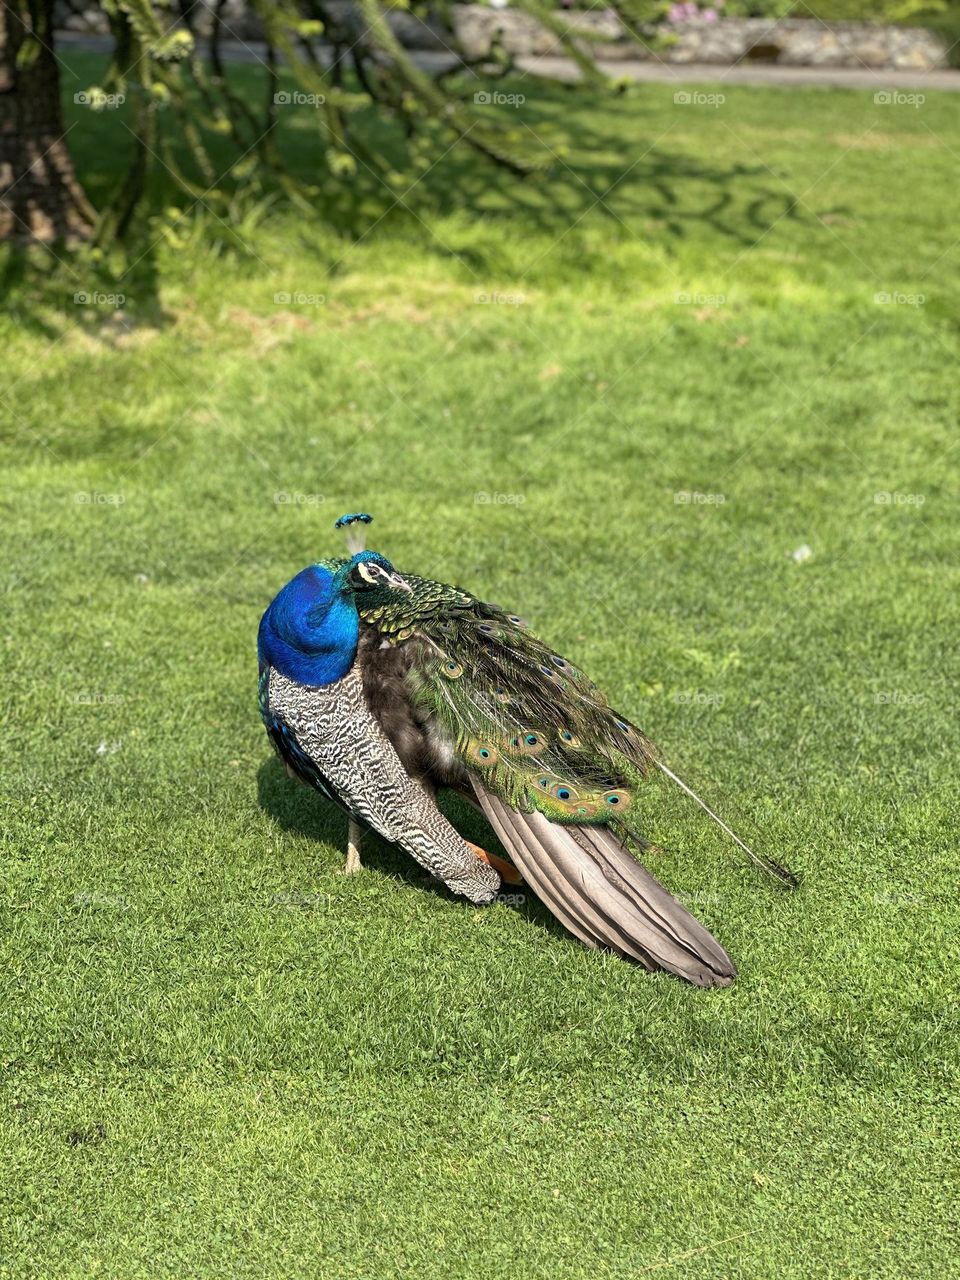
{"x":553,"y":676}
{"x":451,"y":669}
{"x":566,"y":795}
{"x":525,"y":743}
{"x":484,"y":754}
{"x":617,"y":798}
{"x":558,"y":789}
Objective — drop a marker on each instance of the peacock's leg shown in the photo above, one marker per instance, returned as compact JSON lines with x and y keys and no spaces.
{"x":354,"y":833}
{"x":507,"y":872}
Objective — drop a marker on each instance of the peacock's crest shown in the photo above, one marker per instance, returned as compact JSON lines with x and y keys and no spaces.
{"x":354,"y":523}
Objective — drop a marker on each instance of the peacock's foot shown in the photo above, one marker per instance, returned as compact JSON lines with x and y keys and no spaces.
{"x":353,"y":863}
{"x":506,"y":870}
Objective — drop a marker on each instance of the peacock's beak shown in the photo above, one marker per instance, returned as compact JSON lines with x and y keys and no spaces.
{"x":400,"y":584}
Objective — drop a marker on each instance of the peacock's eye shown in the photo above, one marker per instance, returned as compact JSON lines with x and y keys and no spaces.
{"x":484,"y":753}
{"x":563,"y":793}
{"x":531,"y":739}
{"x":566,"y":735}
{"x":613,"y":799}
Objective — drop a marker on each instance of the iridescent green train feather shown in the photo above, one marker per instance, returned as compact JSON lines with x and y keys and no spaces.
{"x":524,"y":719}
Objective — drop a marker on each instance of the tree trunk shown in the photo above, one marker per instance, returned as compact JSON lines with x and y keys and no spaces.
{"x":40,"y":198}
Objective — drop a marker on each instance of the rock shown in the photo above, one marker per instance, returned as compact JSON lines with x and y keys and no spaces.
{"x":872,"y":53}
{"x":916,"y":58}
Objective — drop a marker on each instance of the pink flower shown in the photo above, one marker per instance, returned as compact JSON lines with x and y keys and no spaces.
{"x":689,"y":11}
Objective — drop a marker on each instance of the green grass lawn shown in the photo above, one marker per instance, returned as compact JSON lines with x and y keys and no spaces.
{"x":221,"y":1058}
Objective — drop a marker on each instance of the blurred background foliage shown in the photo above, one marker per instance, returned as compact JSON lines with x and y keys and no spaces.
{"x":175,"y":104}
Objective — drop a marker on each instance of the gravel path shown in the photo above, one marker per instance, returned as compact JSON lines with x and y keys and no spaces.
{"x":653,"y":72}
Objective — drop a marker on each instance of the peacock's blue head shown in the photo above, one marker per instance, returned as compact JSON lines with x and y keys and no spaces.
{"x":310,"y":631}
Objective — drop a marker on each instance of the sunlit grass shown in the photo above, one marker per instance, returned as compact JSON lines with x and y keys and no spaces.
{"x":224,"y":1059}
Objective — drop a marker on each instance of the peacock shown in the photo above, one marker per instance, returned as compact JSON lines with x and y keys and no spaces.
{"x":379,"y":689}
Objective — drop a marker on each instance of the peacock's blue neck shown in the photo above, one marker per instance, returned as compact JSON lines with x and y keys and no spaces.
{"x":309,"y":633}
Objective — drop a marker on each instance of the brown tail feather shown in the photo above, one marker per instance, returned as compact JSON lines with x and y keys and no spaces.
{"x":586,"y":878}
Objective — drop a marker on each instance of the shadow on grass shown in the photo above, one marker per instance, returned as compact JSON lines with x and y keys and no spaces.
{"x":604,"y":174}
{"x":45,"y":283}
{"x":304,"y":812}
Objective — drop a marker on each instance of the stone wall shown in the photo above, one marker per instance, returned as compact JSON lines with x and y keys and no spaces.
{"x":794,"y":42}
{"x":789,"y":42}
